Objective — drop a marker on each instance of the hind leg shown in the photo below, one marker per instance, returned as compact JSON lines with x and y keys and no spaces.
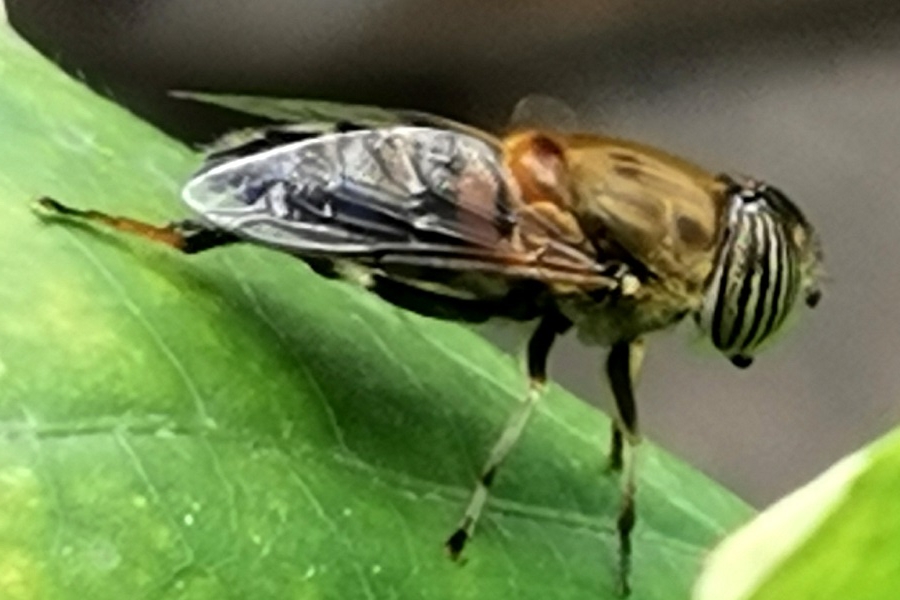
{"x":189,"y":237}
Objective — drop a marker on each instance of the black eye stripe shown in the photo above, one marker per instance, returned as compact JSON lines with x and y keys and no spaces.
{"x":746,"y":275}
{"x":757,"y":280}
{"x":721,"y":292}
{"x":770,"y":273}
{"x":782,"y":282}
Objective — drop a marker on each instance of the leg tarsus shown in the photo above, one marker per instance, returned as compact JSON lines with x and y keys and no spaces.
{"x":189,"y":237}
{"x":538,"y":348}
{"x":456,"y":543}
{"x":624,"y":526}
{"x":47,"y":205}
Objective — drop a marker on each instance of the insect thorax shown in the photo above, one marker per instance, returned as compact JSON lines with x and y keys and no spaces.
{"x":621,"y":317}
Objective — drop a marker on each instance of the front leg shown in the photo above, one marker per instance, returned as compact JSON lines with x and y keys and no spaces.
{"x":624,"y":358}
{"x":622,"y":369}
{"x":189,"y":237}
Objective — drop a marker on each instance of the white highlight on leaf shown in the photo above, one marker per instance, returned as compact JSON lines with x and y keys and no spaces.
{"x":3,"y":18}
{"x":188,"y":519}
{"x":745,"y":560}
{"x":164,"y":432}
{"x":2,"y":364}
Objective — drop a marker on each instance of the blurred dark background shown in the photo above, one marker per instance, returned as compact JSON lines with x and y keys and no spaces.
{"x":804,"y":93}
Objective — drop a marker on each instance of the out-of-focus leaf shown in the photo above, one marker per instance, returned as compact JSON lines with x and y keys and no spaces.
{"x":837,"y":538}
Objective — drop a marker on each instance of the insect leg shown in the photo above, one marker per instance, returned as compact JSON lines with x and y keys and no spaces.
{"x":189,"y":237}
{"x":615,"y":446}
{"x":538,"y":349}
{"x":626,"y":412}
{"x":622,"y":369}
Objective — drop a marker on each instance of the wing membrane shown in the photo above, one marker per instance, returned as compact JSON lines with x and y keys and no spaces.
{"x":415,"y":202}
{"x":292,"y":110}
{"x":324,"y":113}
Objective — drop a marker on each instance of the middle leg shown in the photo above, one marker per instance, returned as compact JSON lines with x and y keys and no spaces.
{"x":539,"y":346}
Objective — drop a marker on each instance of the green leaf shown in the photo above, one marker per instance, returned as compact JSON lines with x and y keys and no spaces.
{"x":229,"y":425}
{"x":835,"y":538}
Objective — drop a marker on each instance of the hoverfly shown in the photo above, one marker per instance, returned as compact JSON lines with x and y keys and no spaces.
{"x":609,"y":237}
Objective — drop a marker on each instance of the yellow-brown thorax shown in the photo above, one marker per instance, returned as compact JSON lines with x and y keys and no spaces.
{"x":658,"y":214}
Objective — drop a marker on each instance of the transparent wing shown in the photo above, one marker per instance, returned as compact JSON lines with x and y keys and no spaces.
{"x":292,"y":110}
{"x":322,"y":113}
{"x":541,"y":111}
{"x":416,"y":203}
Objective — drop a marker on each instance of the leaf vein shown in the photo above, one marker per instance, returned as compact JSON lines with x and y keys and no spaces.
{"x":161,"y":344}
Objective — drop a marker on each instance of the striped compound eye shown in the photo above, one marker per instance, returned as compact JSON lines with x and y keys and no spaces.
{"x":768,"y":257}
